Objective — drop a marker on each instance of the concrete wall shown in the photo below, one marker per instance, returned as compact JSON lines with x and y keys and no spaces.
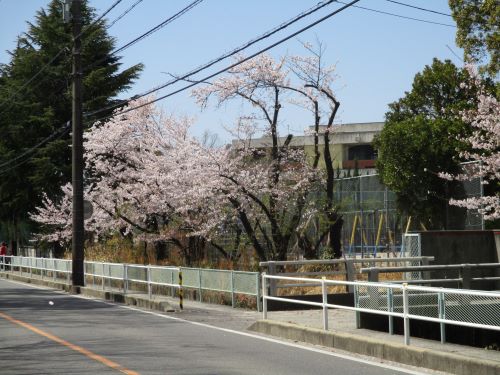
{"x":458,"y":247}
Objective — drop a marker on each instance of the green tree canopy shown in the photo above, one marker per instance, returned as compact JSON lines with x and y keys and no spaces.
{"x":30,"y":114}
{"x":478,"y":31}
{"x":419,"y":139}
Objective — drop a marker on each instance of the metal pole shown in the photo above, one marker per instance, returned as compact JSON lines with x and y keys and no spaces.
{"x":442,"y":315}
{"x":150,"y":292}
{"x":264,"y":295}
{"x":232,"y":289}
{"x":390,"y":308}
{"x":103,"y":278}
{"x":258,"y":292}
{"x":406,"y":320}
{"x":181,"y":291}
{"x":356,"y":304}
{"x":199,"y":282}
{"x":125,"y":279}
{"x":325,"y":302}
{"x":77,"y":151}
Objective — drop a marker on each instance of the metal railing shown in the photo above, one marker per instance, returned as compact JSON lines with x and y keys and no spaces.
{"x":470,"y":308}
{"x":349,"y":269}
{"x":464,"y":278}
{"x":140,"y":278}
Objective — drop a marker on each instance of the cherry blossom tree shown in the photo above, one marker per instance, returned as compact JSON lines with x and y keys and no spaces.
{"x":274,"y":214}
{"x":483,"y":149}
{"x":144,"y":170}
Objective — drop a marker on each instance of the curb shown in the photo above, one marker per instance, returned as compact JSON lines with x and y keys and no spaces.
{"x":131,"y":300}
{"x":413,"y":356}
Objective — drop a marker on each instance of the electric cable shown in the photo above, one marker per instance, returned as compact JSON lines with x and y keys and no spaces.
{"x":146,"y":34}
{"x":42,"y":69}
{"x":400,"y":16}
{"x":419,"y":8}
{"x":124,"y":13}
{"x":233,"y":52}
{"x":322,"y":19}
{"x":30,"y":152}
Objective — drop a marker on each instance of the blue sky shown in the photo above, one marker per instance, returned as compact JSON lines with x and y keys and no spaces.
{"x":377,"y":55}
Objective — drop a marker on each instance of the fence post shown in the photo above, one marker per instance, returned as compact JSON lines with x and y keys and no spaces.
{"x":350,"y":274}
{"x":442,"y":315}
{"x":426,"y":274}
{"x":325,"y":303}
{"x":258,"y":291}
{"x":272,"y":282}
{"x":390,"y":308}
{"x":264,"y":295}
{"x":55,"y":269}
{"x":181,"y":291}
{"x":68,"y":272}
{"x":150,"y":292}
{"x":125,"y":279}
{"x":373,"y":275}
{"x":172,"y":291}
{"x":356,"y":305}
{"x":199,"y":283}
{"x":31,"y":268}
{"x":103,"y":278}
{"x":232,"y":289}
{"x":465,"y":275}
{"x":406,"y":320}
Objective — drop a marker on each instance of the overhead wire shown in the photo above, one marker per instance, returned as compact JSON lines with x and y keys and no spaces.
{"x":66,"y":48}
{"x":146,"y":34}
{"x":149,"y":32}
{"x":233,"y":52}
{"x":124,"y":13}
{"x":30,"y":152}
{"x":239,"y":62}
{"x":400,"y":16}
{"x":419,"y":8}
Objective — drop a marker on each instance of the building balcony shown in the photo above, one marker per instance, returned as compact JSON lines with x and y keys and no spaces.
{"x":362,"y":164}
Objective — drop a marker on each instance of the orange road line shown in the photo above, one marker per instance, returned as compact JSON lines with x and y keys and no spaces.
{"x":76,"y":348}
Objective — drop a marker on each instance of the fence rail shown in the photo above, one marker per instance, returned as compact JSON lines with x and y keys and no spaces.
{"x":349,"y":270}
{"x":464,"y":273}
{"x":140,"y":278}
{"x":470,"y":308}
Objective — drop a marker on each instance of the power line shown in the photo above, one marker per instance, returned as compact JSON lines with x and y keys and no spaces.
{"x":103,"y":15}
{"x":42,"y":69}
{"x":124,"y":13}
{"x":35,"y":76}
{"x":400,"y":16}
{"x":419,"y":8}
{"x":348,"y":5}
{"x":147,"y":33}
{"x":267,"y":34}
{"x":31,"y":151}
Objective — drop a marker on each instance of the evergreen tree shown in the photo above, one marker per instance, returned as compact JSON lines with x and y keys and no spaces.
{"x":30,"y":114}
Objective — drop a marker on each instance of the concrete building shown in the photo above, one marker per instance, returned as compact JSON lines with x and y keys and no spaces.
{"x":349,"y":144}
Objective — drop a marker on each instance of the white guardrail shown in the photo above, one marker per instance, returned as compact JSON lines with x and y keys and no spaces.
{"x":129,"y":277}
{"x":471,"y":308}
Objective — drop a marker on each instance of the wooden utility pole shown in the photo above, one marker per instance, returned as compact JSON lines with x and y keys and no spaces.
{"x":77,"y":151}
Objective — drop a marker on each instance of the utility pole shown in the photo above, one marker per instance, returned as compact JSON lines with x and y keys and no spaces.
{"x":77,"y":151}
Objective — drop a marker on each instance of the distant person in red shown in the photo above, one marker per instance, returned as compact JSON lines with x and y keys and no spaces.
{"x":3,"y":252}
{"x":3,"y":249}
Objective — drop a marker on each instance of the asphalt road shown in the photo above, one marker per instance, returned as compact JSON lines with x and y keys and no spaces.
{"x":47,"y":332}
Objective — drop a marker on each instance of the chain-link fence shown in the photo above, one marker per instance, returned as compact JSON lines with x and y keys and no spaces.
{"x":372,"y":222}
{"x":134,"y":278}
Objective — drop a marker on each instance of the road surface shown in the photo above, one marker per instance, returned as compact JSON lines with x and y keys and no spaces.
{"x":47,"y":332}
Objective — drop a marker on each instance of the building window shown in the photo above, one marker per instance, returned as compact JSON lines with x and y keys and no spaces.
{"x":361,"y":152}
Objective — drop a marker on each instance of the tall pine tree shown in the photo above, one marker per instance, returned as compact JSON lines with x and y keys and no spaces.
{"x":31,"y":114}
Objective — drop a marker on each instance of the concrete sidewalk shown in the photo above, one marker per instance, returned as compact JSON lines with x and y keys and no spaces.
{"x":306,"y":326}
